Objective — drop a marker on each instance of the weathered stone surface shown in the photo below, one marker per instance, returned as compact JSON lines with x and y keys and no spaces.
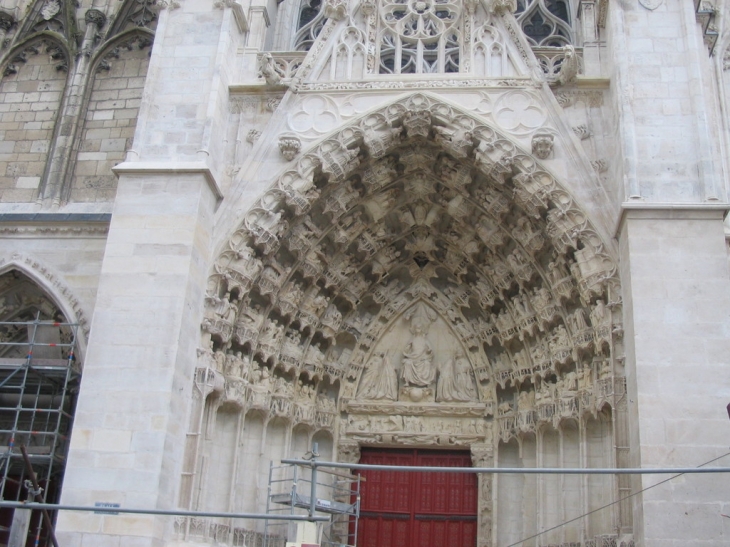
{"x":385,"y":224}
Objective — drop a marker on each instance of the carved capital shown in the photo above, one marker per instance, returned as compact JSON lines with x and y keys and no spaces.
{"x":348,"y":452}
{"x":482,"y":455}
{"x":335,"y":9}
{"x":95,"y":17}
{"x":500,"y":7}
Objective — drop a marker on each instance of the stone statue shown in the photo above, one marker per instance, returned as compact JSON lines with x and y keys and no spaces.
{"x":455,"y":382}
{"x":268,"y":70}
{"x":251,"y":317}
{"x":271,"y":333}
{"x":600,"y":314}
{"x":418,"y":356}
{"x":579,"y":320}
{"x":584,"y":378}
{"x":380,"y":380}
{"x":220,"y":361}
{"x":314,"y":356}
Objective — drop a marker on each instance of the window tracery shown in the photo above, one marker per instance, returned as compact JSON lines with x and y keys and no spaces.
{"x":419,"y":36}
{"x":309,"y":24}
{"x":545,"y":22}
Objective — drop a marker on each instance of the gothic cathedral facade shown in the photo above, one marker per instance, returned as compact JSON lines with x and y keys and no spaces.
{"x":481,"y":231}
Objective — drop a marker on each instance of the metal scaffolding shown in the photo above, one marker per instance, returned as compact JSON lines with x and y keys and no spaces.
{"x":293,"y":489}
{"x":39,"y":380}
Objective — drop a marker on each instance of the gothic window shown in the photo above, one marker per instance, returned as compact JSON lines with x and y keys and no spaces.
{"x":545,"y":22}
{"x":310,"y":23}
{"x":419,"y":36}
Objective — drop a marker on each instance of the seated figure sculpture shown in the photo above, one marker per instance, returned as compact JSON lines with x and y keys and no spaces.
{"x":417,"y":359}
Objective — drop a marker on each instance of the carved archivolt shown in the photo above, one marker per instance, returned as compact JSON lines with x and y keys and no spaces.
{"x":19,"y":301}
{"x":417,"y":205}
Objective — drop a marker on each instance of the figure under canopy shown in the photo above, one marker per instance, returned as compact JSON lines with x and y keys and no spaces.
{"x":418,"y":367}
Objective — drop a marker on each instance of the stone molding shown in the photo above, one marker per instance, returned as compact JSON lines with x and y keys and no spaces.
{"x":54,"y":284}
{"x":641,"y":209}
{"x":171,"y":168}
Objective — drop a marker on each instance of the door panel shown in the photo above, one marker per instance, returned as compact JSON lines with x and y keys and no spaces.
{"x":417,"y":509}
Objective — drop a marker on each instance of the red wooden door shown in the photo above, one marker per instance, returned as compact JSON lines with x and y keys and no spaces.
{"x":417,"y":509}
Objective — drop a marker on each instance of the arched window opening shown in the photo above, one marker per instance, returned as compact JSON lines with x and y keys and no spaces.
{"x":39,"y":382}
{"x":310,"y":24}
{"x":419,"y":37}
{"x":545,"y":22}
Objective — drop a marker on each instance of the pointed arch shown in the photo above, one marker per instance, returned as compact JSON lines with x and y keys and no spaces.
{"x":474,"y":164}
{"x":110,"y":115}
{"x":417,"y":203}
{"x":57,"y":18}
{"x":52,"y":284}
{"x":53,"y":43}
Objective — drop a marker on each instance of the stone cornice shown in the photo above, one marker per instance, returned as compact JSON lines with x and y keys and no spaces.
{"x":640,"y":209}
{"x":170,"y":168}
{"x":55,"y":224}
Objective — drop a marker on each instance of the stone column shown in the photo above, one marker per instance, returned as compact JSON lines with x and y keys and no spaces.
{"x":482,"y":455}
{"x":674,"y":270}
{"x":347,"y":452}
{"x":53,"y":187}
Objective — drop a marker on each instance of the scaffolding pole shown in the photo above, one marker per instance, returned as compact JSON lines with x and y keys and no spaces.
{"x":515,"y":470}
{"x":162,"y":512}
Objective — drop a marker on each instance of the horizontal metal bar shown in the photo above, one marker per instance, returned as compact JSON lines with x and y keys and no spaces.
{"x":35,"y":344}
{"x":514,"y":470}
{"x":40,"y":322}
{"x":178,"y":513}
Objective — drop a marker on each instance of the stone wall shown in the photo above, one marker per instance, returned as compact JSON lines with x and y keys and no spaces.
{"x":30,"y":95}
{"x":111,"y":118}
